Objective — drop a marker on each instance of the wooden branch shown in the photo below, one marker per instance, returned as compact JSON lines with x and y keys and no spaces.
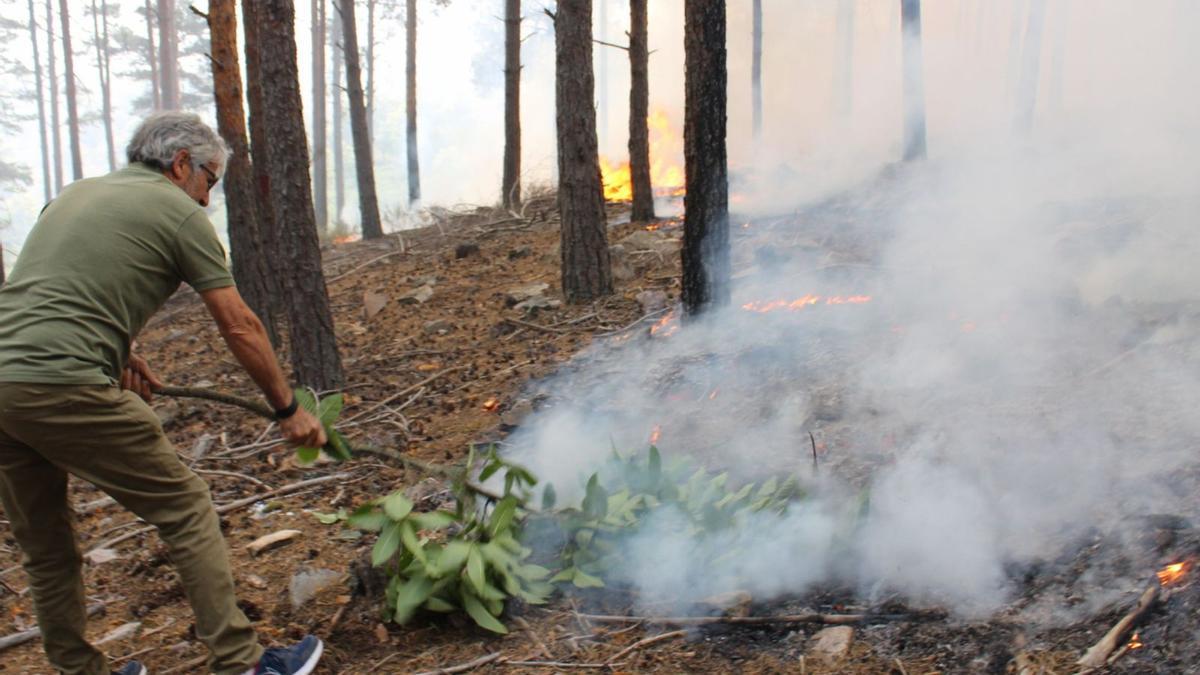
{"x":198,"y":13}
{"x":255,"y":407}
{"x":557,"y":665}
{"x":536,"y":326}
{"x":646,"y":643}
{"x":830,"y":619}
{"x":1097,"y":656}
{"x":470,"y":665}
{"x":33,"y":633}
{"x":552,"y":15}
{"x":609,"y":44}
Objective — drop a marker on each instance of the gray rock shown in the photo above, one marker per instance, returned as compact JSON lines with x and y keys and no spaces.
{"x":526,"y":292}
{"x":438,"y":327}
{"x":417,"y":296}
{"x":520,"y":252}
{"x":832,"y":643}
{"x":533,"y":305}
{"x":652,"y":300}
{"x":621,"y":269}
{"x":517,"y":413}
{"x":641,"y":240}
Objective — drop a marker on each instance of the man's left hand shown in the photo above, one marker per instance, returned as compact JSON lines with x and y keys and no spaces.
{"x":138,"y":378}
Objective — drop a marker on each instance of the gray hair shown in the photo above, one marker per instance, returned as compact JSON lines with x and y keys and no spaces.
{"x":165,"y":133}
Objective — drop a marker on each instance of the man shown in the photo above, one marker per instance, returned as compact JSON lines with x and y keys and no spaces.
{"x":102,"y":258}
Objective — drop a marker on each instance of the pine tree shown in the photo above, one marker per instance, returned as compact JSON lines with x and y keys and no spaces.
{"x":320,"y":177}
{"x":364,"y":165}
{"x":510,"y":184}
{"x":69,"y":82}
{"x":639,"y":112}
{"x":914,"y":81}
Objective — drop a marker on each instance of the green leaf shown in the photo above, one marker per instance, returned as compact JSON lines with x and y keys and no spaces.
{"x":564,"y":575}
{"x":768,"y":488}
{"x":451,"y":558}
{"x":408,"y":536}
{"x":490,"y":470}
{"x":502,"y":516}
{"x":532,"y":572}
{"x":432,"y":520}
{"x":584,"y":580}
{"x":387,"y":544}
{"x":481,"y":615}
{"x":475,"y":569}
{"x":595,"y":501}
{"x":409,"y":597}
{"x":336,"y":446}
{"x":306,"y":455}
{"x":326,"y":518}
{"x":654,"y":467}
{"x":436,"y":604}
{"x":367,"y":518}
{"x":397,"y":506}
{"x":549,"y":497}
{"x":329,"y":409}
{"x":306,"y":400}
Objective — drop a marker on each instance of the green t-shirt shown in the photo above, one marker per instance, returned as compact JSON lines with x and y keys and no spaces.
{"x":102,"y":258}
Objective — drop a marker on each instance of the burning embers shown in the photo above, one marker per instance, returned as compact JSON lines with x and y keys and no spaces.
{"x":666,"y":174}
{"x":806,"y":301}
{"x":1172,"y":574}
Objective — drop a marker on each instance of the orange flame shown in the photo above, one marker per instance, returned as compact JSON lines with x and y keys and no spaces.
{"x":491,"y":405}
{"x":666,"y":326}
{"x":655,"y":434}
{"x":1135,"y":642}
{"x":666,"y":174}
{"x":345,"y":239}
{"x":806,"y":301}
{"x":1171,"y":573}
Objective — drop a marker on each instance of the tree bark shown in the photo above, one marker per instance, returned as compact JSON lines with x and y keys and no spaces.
{"x":246,"y":249}
{"x":914,"y":81}
{"x":320,"y":177}
{"x":69,"y":81}
{"x":168,"y":55}
{"x":1030,"y":67}
{"x":586,"y":269}
{"x":41,"y":108}
{"x":264,"y":210}
{"x":601,"y":67}
{"x":705,"y":255}
{"x":364,"y":165}
{"x":371,"y":69}
{"x":152,"y":58}
{"x":55,"y":122}
{"x":639,"y":112}
{"x":843,"y":85}
{"x":1,"y":264}
{"x":756,"y":103}
{"x":510,"y":185}
{"x":100,"y":17}
{"x":410,"y":72}
{"x":314,"y":354}
{"x":339,"y":167}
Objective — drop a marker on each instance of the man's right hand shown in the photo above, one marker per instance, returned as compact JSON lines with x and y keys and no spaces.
{"x":302,"y":429}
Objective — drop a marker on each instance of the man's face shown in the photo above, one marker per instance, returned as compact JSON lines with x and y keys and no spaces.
{"x":196,"y":182}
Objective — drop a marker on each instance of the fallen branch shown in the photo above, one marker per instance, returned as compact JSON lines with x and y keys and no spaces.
{"x":470,"y":665}
{"x":1097,"y":656}
{"x":646,"y":643}
{"x":370,"y":262}
{"x":558,"y":665}
{"x":33,"y":633}
{"x":536,"y":326}
{"x":256,"y":407}
{"x":830,"y":619}
{"x":402,"y":392}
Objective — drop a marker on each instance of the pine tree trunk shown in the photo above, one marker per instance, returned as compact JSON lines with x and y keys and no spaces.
{"x":586,"y":269}
{"x":339,"y":166}
{"x":314,"y":354}
{"x":101,"y":41}
{"x":364,"y":165}
{"x":706,"y":258}
{"x":1030,"y":67}
{"x":246,"y":250}
{"x":601,"y":66}
{"x":843,"y":85}
{"x":756,"y":103}
{"x":410,"y":72}
{"x":152,"y":58}
{"x":370,"y":69}
{"x":639,"y":112}
{"x":168,"y":55}
{"x":264,"y":210}
{"x":1,"y":264}
{"x":510,"y":185}
{"x":69,"y":81}
{"x":914,"y":81}
{"x":55,"y":122}
{"x":41,"y":106}
{"x":320,"y":177}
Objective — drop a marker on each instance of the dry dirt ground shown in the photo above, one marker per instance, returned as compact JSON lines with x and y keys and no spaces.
{"x":445,"y":385}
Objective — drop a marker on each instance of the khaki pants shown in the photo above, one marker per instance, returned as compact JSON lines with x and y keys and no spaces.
{"x":113,"y":440}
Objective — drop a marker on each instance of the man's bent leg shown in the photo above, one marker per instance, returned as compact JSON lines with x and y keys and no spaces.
{"x":113,"y":440}
{"x":34,"y":494}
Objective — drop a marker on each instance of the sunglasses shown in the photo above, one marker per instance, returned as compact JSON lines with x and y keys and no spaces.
{"x":212,"y":177}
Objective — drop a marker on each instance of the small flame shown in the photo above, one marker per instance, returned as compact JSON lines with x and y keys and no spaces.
{"x":655,"y":434}
{"x":713,"y":395}
{"x":491,"y":405}
{"x":666,"y":173}
{"x":1135,"y":642}
{"x":666,"y":326}
{"x":346,"y":239}
{"x":806,"y":301}
{"x":1171,"y":573}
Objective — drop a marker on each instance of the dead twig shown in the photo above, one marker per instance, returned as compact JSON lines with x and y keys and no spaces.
{"x":370,"y":262}
{"x":232,"y":474}
{"x":402,"y":392}
{"x":462,"y":668}
{"x":1097,"y":656}
{"x":558,"y":665}
{"x":649,"y":315}
{"x":536,"y":326}
{"x":533,"y":636}
{"x":830,"y":619}
{"x":646,"y":643}
{"x":219,"y":396}
{"x":24,"y":636}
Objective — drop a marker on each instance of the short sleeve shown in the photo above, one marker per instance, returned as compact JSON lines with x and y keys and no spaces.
{"x":199,"y":254}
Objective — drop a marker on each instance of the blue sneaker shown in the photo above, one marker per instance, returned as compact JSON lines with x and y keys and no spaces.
{"x":299,"y":659}
{"x":131,"y":668}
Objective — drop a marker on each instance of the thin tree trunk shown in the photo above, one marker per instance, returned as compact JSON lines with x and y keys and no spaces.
{"x":314,"y":354}
{"x":168,"y":54}
{"x":41,"y":108}
{"x":55,"y":122}
{"x":320,"y":177}
{"x":1030,"y":67}
{"x":371,"y":69}
{"x":246,"y":250}
{"x":843,"y":84}
{"x":1,"y":264}
{"x":339,"y":167}
{"x":263,"y":208}
{"x":410,"y":71}
{"x":69,"y":81}
{"x":639,"y":111}
{"x":152,"y":58}
{"x":510,"y":185}
{"x":101,"y":40}
{"x":756,"y":70}
{"x":364,"y":165}
{"x":602,"y":75}
{"x":706,"y":258}
{"x":586,"y":268}
{"x":914,"y":81}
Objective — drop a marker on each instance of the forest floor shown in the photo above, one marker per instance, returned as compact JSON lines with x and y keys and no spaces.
{"x":462,"y":358}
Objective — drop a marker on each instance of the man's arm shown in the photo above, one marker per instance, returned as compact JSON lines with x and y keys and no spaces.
{"x":247,"y":339}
